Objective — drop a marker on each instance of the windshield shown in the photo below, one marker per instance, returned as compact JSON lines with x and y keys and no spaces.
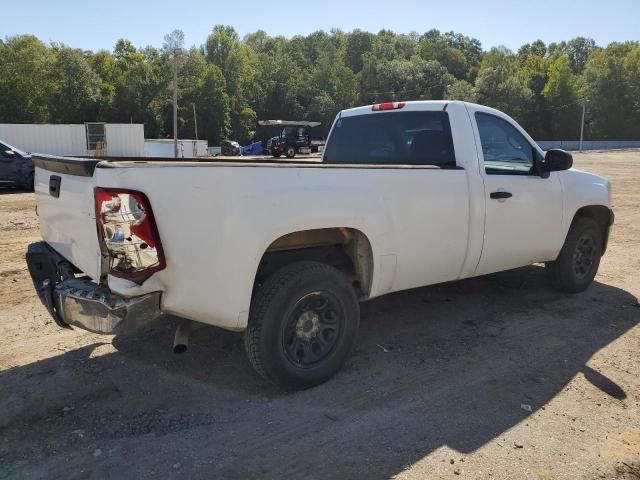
{"x":17,"y":150}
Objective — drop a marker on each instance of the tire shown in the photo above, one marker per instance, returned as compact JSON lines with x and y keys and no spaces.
{"x":302,"y":325}
{"x":28,"y":184}
{"x":577,"y":265}
{"x":276,"y":153}
{"x":290,"y":151}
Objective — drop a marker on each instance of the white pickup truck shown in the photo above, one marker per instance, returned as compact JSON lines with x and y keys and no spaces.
{"x":405,"y":195}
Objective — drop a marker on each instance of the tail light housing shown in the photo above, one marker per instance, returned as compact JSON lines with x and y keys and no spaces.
{"x":378,"y":107}
{"x":128,"y":231}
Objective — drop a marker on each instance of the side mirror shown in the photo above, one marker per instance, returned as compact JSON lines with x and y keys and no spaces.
{"x":556,"y":160}
{"x":9,"y":153}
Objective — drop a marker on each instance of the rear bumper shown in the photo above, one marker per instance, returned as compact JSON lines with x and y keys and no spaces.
{"x":82,"y":303}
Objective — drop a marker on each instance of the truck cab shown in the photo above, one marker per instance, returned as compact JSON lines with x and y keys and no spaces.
{"x":293,"y":137}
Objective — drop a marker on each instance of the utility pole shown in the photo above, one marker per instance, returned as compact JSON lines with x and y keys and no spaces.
{"x":584,"y":106}
{"x":195,"y":120}
{"x":175,"y":102}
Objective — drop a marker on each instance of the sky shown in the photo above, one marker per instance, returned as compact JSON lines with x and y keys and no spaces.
{"x":98,"y":25}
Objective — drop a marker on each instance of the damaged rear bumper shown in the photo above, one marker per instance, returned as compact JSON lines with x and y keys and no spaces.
{"x":82,"y":303}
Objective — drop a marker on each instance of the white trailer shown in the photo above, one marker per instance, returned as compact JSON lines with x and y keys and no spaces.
{"x":117,"y":139}
{"x":163,"y":148}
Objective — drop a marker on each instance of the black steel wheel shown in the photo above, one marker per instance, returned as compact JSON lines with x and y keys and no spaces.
{"x":302,"y":325}
{"x":577,"y":265}
{"x":313,"y":328}
{"x":584,"y":255}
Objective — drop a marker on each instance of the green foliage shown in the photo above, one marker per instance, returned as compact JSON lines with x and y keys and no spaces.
{"x":25,"y":82}
{"x":611,"y":86}
{"x":233,"y":82}
{"x":462,"y":90}
{"x":76,"y":86}
{"x":498,"y":85}
{"x":560,"y":92}
{"x":213,"y":103}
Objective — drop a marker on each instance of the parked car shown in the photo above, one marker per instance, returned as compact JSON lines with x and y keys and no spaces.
{"x":230,"y":148}
{"x":16,"y":167}
{"x":406,"y":195}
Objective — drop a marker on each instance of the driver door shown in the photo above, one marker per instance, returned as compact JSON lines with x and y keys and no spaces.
{"x":523,"y":215}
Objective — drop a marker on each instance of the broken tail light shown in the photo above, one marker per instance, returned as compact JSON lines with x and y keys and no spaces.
{"x":129,"y":233}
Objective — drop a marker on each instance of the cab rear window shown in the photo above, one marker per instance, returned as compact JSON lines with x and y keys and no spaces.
{"x":392,"y":138}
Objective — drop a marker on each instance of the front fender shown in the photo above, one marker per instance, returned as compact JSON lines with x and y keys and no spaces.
{"x":582,"y":189}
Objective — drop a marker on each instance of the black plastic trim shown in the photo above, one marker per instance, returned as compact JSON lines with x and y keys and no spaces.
{"x":79,"y":167}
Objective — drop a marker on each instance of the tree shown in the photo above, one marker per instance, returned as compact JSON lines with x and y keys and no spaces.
{"x":498,"y":85}
{"x":102,"y":64}
{"x":213,"y":105}
{"x":413,"y":79}
{"x":173,"y":40}
{"x":462,"y":90}
{"x":233,"y":82}
{"x":25,"y":83}
{"x":238,"y":63}
{"x":76,"y":87}
{"x":577,"y":49}
{"x":358,"y":44}
{"x":141,"y":80}
{"x":609,"y":82}
{"x":459,"y":54}
{"x":533,"y":70}
{"x":561,"y":95}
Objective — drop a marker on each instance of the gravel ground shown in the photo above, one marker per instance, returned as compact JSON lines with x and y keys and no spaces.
{"x":448,"y":400}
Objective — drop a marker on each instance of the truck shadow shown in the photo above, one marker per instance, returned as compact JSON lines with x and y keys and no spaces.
{"x":447,"y":365}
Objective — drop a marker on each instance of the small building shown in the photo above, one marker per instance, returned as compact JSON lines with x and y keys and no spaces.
{"x":109,"y":139}
{"x":163,"y":148}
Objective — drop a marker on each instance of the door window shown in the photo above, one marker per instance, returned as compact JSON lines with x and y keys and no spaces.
{"x":6,"y":148}
{"x":505,"y":150}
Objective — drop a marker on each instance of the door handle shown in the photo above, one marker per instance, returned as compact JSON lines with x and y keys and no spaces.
{"x":500,"y":195}
{"x":54,"y":185}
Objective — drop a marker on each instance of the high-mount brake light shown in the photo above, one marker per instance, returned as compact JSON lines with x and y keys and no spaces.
{"x":378,"y":107}
{"x":129,"y":232}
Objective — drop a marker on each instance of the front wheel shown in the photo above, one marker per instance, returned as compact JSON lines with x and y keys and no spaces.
{"x":303,"y":323}
{"x":577,"y":265}
{"x":290,"y":151}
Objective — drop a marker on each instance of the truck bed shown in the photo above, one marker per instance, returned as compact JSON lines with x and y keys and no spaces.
{"x":211,"y":213}
{"x":85,"y":166}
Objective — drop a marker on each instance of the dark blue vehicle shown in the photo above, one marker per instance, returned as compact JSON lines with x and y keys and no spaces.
{"x":16,"y":167}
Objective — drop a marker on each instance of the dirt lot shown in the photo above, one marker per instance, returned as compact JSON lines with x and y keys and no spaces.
{"x":444,"y":402}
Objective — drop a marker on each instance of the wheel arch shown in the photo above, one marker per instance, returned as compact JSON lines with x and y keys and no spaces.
{"x":345,"y":248}
{"x":601,"y":214}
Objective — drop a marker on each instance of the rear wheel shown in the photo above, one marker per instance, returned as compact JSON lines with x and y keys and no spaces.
{"x":577,"y":265}
{"x":276,"y":153}
{"x":303,"y":324}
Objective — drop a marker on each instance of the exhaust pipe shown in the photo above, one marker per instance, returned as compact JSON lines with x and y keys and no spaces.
{"x":181,"y":338}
